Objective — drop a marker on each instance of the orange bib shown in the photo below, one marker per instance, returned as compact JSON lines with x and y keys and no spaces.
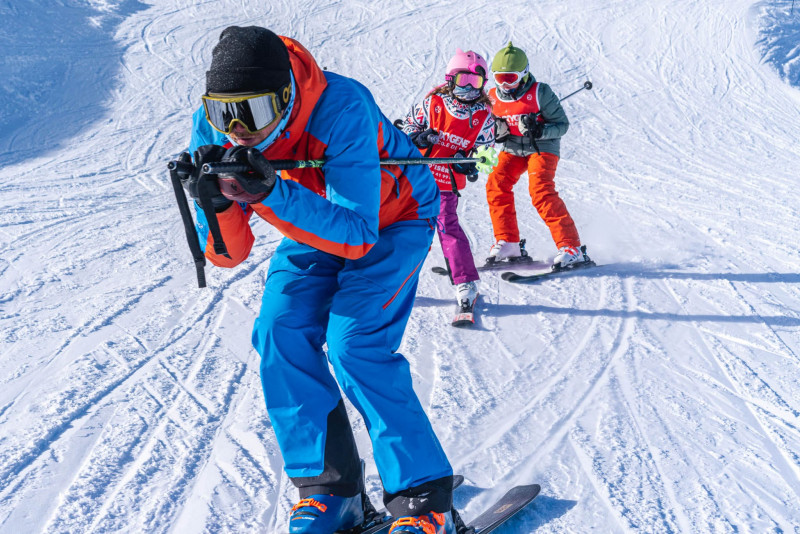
{"x":455,"y":134}
{"x":511,"y":111}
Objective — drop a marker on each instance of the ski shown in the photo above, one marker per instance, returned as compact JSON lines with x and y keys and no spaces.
{"x":537,"y":277}
{"x":490,"y":266}
{"x":379,"y":522}
{"x":465,"y":314}
{"x":501,"y":511}
{"x":494,"y":265}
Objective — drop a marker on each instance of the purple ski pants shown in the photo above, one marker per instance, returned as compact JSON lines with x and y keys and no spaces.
{"x":455,"y":244}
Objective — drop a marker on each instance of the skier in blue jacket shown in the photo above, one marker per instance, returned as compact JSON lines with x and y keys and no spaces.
{"x":356,"y":234}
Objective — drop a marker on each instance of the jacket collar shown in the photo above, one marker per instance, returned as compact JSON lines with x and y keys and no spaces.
{"x":309,"y":83}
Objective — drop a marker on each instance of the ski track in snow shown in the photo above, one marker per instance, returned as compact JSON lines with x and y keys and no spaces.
{"x":659,"y":392}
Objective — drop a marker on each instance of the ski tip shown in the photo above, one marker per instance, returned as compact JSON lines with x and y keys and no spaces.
{"x":534,"y":489}
{"x":523,"y":494}
{"x":439,"y":270}
{"x":457,"y":480}
{"x":508,"y":276}
{"x":460,"y":323}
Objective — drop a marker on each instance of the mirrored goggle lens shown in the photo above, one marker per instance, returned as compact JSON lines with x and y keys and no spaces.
{"x":507,"y":78}
{"x":463,"y":79}
{"x":254,"y":113}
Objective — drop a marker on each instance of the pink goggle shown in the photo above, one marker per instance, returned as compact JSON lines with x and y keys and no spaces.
{"x":463,"y":79}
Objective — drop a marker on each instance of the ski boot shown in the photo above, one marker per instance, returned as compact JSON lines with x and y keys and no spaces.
{"x":323,"y":514}
{"x":504,"y":252}
{"x":431,"y":523}
{"x":466,"y":294}
{"x":571,"y":258}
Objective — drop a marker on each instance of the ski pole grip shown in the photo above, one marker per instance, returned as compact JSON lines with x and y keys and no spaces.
{"x":229,"y":167}
{"x":224,"y":167}
{"x":180,"y":166}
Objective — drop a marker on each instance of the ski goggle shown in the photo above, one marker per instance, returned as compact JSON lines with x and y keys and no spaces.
{"x":254,"y":112}
{"x":463,"y":79}
{"x":509,"y":78}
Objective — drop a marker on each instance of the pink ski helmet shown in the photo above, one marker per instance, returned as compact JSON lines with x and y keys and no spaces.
{"x":468,"y":61}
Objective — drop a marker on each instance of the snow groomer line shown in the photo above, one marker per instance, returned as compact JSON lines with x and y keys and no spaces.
{"x":227,"y":171}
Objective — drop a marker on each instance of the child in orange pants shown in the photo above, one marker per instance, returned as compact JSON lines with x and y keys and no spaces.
{"x":529,"y":121}
{"x":541,"y":172}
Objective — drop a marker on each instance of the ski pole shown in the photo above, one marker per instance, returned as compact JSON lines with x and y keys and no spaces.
{"x":205,"y":190}
{"x":224,"y":167}
{"x":534,"y":116}
{"x":188,"y":225}
{"x":278,"y":165}
{"x":586,"y":85}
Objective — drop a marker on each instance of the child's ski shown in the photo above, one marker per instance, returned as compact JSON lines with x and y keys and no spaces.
{"x":536,"y":277}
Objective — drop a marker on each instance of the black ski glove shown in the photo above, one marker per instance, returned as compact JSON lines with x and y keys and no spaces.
{"x":425,"y":138}
{"x":250,"y":187}
{"x":529,"y":126}
{"x":470,"y":169}
{"x":465,"y":168}
{"x":208,"y":187}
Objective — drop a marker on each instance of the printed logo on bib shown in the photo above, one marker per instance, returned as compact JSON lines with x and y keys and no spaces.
{"x":451,"y":140}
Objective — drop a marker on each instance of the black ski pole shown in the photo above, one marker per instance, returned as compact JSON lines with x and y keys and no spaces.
{"x":188,"y":222}
{"x":205,"y":190}
{"x":224,"y":167}
{"x":586,"y":85}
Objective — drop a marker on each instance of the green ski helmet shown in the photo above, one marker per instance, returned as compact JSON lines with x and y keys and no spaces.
{"x":510,"y":59}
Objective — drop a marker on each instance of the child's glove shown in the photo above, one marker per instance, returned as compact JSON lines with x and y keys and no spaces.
{"x":425,"y":138}
{"x":530,"y":126}
{"x":465,"y":168}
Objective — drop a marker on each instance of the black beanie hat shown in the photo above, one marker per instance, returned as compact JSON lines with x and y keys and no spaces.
{"x":248,"y":59}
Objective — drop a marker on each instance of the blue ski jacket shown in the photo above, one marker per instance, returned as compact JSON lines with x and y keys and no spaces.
{"x":341,"y":207}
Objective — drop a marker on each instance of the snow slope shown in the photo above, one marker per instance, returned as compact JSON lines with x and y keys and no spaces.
{"x":657,"y":393}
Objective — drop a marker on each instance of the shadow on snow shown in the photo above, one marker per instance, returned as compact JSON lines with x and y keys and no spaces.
{"x":778,"y":28}
{"x":637,"y":271}
{"x":58,"y":68}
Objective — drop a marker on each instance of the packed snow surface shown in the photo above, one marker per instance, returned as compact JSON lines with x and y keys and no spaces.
{"x":659,"y":392}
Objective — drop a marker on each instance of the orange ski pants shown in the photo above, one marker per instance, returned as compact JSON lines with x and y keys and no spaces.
{"x":541,"y":172}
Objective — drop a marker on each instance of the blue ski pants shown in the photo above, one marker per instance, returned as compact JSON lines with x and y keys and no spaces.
{"x":360,"y":308}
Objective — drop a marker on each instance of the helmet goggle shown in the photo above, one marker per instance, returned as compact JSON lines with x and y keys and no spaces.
{"x":253,"y":111}
{"x":509,"y":79}
{"x":463,"y":79}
